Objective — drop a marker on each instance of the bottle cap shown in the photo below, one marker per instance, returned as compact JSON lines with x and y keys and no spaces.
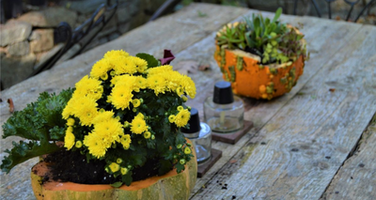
{"x":194,"y":123}
{"x":223,"y":93}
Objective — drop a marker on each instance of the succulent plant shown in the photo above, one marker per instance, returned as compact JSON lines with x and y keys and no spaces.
{"x":273,"y":41}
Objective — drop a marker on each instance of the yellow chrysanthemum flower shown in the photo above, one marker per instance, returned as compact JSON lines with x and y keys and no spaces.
{"x":109,"y":130}
{"x":180,"y":108}
{"x":140,"y":82}
{"x":121,"y":96}
{"x":114,"y":167}
{"x":119,"y":79}
{"x":157,"y":83}
{"x":124,"y":170}
{"x":179,"y":91}
{"x":70,"y":122}
{"x":160,"y":70}
{"x":69,"y":138}
{"x":68,"y":110}
{"x":126,"y":141}
{"x":172,"y":80}
{"x":171,"y":118}
{"x":141,"y":64}
{"x":124,"y":65}
{"x":119,"y":160}
{"x":135,"y":83}
{"x":189,"y":86}
{"x":138,"y":124}
{"x":95,"y":144}
{"x":136,"y":103}
{"x":85,"y":109}
{"x":89,"y":87}
{"x":142,"y":116}
{"x":100,"y":69}
{"x":182,"y":118}
{"x":103,"y":116}
{"x":114,"y":54}
{"x":78,"y":144}
{"x":187,"y":150}
{"x":104,"y":77}
{"x":147,"y":135}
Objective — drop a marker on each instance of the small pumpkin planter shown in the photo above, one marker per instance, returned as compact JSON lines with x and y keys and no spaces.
{"x":260,"y":61}
{"x":169,"y":186}
{"x":249,"y":78}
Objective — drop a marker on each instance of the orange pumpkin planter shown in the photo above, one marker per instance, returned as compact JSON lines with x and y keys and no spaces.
{"x":260,"y":76}
{"x":250,"y":79}
{"x":169,"y":186}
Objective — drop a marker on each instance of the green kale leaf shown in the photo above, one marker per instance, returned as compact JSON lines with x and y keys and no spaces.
{"x":40,"y":122}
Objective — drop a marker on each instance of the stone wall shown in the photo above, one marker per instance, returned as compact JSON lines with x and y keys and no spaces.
{"x":28,"y":40}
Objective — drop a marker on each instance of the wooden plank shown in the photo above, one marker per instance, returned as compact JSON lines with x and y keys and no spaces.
{"x":175,"y":32}
{"x":356,"y":178}
{"x":289,"y":157}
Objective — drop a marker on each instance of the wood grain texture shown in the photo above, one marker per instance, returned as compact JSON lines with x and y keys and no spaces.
{"x":357,"y":177}
{"x":300,"y":149}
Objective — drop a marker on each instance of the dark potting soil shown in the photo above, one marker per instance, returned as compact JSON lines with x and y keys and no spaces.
{"x":72,"y":166}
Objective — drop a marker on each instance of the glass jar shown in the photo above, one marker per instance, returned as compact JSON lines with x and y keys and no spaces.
{"x":200,"y":135}
{"x":223,"y":111}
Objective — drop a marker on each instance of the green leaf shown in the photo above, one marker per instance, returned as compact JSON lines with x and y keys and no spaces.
{"x":127,"y":178}
{"x":258,"y":32}
{"x":267,"y":22}
{"x":277,"y":14}
{"x":179,"y":167}
{"x":256,"y":23}
{"x":152,"y":62}
{"x":35,"y":121}
{"x":40,"y":121}
{"x":248,"y":39}
{"x":24,"y":151}
{"x":117,"y":184}
{"x":57,"y":133}
{"x":272,"y":27}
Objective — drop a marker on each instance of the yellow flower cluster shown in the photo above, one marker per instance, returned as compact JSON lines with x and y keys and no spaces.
{"x":181,"y":119}
{"x":124,"y":86}
{"x":122,"y":77}
{"x":164,"y":79}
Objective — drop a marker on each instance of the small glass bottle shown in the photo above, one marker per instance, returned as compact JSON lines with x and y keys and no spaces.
{"x":223,"y":111}
{"x":200,"y":135}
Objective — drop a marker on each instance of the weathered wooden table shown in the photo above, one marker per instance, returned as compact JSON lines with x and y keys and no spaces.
{"x":311,"y":143}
